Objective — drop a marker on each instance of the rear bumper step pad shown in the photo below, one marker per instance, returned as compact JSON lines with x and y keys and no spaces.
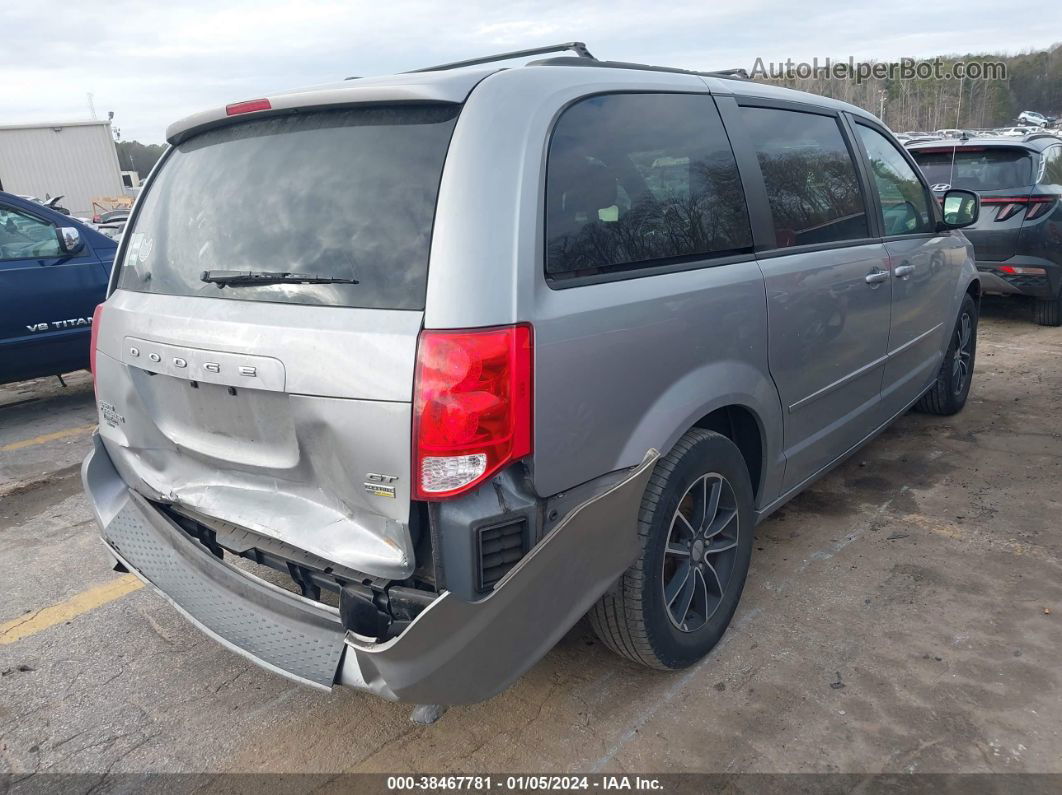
{"x":274,"y":628}
{"x":454,"y":652}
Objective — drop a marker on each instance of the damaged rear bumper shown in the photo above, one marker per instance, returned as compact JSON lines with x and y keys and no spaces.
{"x":454,"y":652}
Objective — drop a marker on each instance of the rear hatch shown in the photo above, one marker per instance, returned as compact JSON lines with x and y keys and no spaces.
{"x":279,"y":401}
{"x":1002,"y":175}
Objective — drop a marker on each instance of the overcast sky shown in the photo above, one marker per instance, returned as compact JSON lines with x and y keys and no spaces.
{"x":153,"y":65}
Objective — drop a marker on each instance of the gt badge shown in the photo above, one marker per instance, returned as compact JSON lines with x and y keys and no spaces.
{"x":378,"y":485}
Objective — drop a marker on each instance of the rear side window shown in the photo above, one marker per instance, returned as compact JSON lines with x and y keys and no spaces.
{"x":637,"y":180}
{"x":810,"y":177}
{"x":1052,"y":166}
{"x":346,"y":194}
{"x":976,"y":168}
{"x":904,"y":205}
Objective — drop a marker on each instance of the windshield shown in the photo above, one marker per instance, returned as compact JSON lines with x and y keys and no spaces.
{"x":997,"y":168}
{"x":348,"y":194}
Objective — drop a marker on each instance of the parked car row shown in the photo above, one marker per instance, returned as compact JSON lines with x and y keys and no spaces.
{"x":1004,"y":132}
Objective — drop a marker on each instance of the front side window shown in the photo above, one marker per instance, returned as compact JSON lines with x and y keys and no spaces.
{"x":637,"y":180}
{"x":24,"y":237}
{"x":904,"y":206}
{"x":810,"y":177}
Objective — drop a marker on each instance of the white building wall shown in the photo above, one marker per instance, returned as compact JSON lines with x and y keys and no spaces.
{"x":75,"y":159}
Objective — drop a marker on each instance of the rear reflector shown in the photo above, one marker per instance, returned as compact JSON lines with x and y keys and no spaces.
{"x":471,"y":407}
{"x":249,"y":106}
{"x":97,"y":314}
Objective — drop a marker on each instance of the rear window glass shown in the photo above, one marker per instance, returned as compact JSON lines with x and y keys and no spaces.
{"x":810,"y":177}
{"x":997,"y":168}
{"x":334,"y":194}
{"x":637,"y":180}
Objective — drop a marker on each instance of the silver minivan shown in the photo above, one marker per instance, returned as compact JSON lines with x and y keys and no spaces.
{"x":400,"y":377}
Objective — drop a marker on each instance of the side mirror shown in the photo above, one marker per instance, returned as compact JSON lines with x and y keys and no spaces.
{"x":69,"y":239}
{"x":961,"y":208}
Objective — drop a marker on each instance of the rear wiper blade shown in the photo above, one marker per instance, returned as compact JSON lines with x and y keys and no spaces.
{"x":236,"y":278}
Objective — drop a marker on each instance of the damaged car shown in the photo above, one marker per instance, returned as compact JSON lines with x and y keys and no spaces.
{"x":516,"y":345}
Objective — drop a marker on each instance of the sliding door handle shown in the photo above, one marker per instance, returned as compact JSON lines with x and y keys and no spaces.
{"x":903,"y":271}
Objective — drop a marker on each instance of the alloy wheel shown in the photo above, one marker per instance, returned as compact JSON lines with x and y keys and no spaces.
{"x":701,"y":548}
{"x":960,"y":368}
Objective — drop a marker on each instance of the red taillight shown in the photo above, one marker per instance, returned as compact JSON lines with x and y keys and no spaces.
{"x":96,"y":218}
{"x":1021,"y":270}
{"x":93,"y":335}
{"x":1009,"y":206}
{"x":471,"y":407}
{"x":250,"y":106}
{"x":1038,"y":206}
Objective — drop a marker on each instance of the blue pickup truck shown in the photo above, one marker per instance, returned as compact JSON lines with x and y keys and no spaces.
{"x":53,"y":273}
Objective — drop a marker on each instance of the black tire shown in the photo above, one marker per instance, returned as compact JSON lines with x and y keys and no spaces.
{"x":1049,"y":311}
{"x":633,"y":618}
{"x":948,"y":394}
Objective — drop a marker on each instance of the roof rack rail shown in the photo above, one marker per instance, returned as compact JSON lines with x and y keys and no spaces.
{"x":733,"y":74}
{"x":578,"y":47}
{"x":1035,"y":135}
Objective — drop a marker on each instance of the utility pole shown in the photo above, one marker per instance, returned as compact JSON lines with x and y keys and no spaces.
{"x":92,"y":105}
{"x":881,"y":104}
{"x":958,"y":107}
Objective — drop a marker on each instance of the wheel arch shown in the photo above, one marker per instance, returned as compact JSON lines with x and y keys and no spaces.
{"x":743,"y":406}
{"x":742,"y":426}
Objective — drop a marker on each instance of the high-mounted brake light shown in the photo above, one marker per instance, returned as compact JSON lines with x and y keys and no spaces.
{"x":249,"y":106}
{"x":471,"y":407}
{"x":93,"y":336}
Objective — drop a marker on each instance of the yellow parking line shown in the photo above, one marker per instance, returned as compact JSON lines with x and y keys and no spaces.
{"x":40,"y":620}
{"x":47,"y":437}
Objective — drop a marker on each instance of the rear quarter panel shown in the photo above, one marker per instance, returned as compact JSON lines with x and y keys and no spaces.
{"x":627,"y":366}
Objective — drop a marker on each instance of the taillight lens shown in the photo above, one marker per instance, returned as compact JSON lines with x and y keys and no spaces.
{"x":1021,"y":270}
{"x":471,"y":407}
{"x":1009,"y":210}
{"x":249,"y":106}
{"x":1039,"y":206}
{"x":93,"y":336}
{"x":1009,"y":206}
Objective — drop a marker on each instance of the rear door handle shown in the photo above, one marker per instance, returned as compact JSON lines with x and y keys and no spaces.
{"x":903,"y":271}
{"x":877,"y":277}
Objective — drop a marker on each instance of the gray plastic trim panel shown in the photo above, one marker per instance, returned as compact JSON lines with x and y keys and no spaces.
{"x":273,"y":628}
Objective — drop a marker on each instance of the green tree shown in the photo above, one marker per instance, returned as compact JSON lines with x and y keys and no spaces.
{"x":138,"y":157}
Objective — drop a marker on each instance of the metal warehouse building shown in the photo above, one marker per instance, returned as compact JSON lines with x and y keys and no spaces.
{"x":75,"y":159}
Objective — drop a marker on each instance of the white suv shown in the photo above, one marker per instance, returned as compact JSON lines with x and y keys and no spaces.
{"x":1032,"y":117}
